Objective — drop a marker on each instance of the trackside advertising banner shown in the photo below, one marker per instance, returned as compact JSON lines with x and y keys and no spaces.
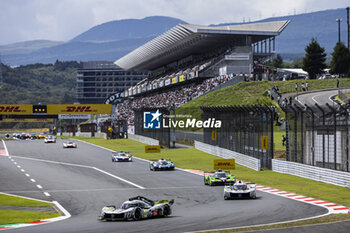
{"x":27,"y":120}
{"x":53,"y":109}
{"x":16,"y":109}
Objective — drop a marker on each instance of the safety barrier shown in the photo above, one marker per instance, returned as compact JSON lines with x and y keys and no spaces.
{"x":143,"y":139}
{"x":84,"y":134}
{"x":241,"y":159}
{"x":311,"y":172}
{"x":101,"y":135}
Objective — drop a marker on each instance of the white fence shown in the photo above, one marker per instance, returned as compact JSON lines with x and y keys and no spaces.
{"x":241,"y":159}
{"x":311,"y":172}
{"x":143,"y":139}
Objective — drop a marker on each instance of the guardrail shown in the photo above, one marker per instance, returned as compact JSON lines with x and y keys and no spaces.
{"x":241,"y":159}
{"x":311,"y":172}
{"x":143,"y":139}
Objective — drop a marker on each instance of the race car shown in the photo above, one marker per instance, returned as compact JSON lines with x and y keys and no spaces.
{"x":121,"y":156}
{"x":240,"y":190}
{"x":50,"y":139}
{"x":218,"y":177}
{"x":161,"y":164}
{"x":69,"y":145}
{"x":137,"y":208}
{"x":41,"y":136}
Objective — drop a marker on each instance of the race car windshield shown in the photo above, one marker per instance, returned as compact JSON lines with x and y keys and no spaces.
{"x":122,"y":154}
{"x":163,"y":162}
{"x":129,"y":205}
{"x":240,"y":187}
{"x":220,"y":175}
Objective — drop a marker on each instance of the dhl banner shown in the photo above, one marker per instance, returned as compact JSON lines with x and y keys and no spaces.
{"x":16,"y":109}
{"x":224,"y":164}
{"x":27,"y":120}
{"x":53,"y":109}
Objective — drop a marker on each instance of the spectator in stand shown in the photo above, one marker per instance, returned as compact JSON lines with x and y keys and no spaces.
{"x":303,"y":86}
{"x":307,"y":86}
{"x":296,"y":87}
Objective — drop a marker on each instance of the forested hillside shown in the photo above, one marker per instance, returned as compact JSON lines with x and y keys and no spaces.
{"x":39,"y":83}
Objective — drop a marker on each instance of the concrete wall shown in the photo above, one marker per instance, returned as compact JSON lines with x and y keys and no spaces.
{"x":241,"y":159}
{"x":325,"y":175}
{"x":143,"y":139}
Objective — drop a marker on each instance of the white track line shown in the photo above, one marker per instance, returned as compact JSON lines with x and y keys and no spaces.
{"x":27,"y":174}
{"x":32,"y":180}
{"x":119,"y":178}
{"x":22,"y":170}
{"x":85,"y":166}
{"x":7,"y":152}
{"x":39,"y":186}
{"x":47,"y":194}
{"x":313,"y":98}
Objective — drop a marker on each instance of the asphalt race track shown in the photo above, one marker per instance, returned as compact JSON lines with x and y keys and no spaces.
{"x":83,"y":180}
{"x":320,"y":98}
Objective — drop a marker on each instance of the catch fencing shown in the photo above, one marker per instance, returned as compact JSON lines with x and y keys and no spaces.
{"x":318,"y":135}
{"x":246,"y":129}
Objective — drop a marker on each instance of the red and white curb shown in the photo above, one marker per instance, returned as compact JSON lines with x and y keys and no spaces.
{"x":44,"y":221}
{"x":331,"y":207}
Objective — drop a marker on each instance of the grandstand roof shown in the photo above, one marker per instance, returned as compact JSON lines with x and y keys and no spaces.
{"x":187,"y":39}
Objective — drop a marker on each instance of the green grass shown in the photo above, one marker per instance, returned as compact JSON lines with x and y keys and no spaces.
{"x":249,"y":93}
{"x":16,"y":216}
{"x":194,"y":159}
{"x":6,"y":200}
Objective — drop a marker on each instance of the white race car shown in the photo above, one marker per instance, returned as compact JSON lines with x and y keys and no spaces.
{"x":69,"y":145}
{"x":121,"y":156}
{"x":50,"y":139}
{"x":240,"y":190}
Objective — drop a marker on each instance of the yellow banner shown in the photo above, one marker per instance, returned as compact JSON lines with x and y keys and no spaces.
{"x":181,"y":78}
{"x":214,"y":135}
{"x":16,"y":109}
{"x":53,"y":109}
{"x":27,"y":120}
{"x":224,"y":164}
{"x":174,"y":80}
{"x":264,"y":142}
{"x":152,"y":149}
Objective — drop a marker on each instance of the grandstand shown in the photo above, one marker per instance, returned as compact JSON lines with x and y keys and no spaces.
{"x":188,"y":52}
{"x":197,"y":59}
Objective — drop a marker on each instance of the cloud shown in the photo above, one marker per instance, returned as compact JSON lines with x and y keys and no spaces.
{"x":62,"y":20}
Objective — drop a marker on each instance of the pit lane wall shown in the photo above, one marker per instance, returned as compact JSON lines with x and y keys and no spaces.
{"x":85,"y":134}
{"x":143,"y":139}
{"x":325,"y":175}
{"x":241,"y":159}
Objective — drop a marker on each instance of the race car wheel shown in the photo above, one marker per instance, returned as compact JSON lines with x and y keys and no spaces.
{"x":225,"y":198}
{"x":113,"y":160}
{"x":166,"y":211}
{"x":160,"y":213}
{"x":137,"y":214}
{"x":210,"y":183}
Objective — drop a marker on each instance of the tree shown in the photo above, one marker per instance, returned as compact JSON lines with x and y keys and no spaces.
{"x":314,"y":61}
{"x":277,"y":62}
{"x":340,"y":63}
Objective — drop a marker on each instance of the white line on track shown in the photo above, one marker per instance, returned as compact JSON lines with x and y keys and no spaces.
{"x":18,"y":166}
{"x":313,"y":98}
{"x":22,"y":170}
{"x":39,"y":186}
{"x":84,"y":166}
{"x":7,"y":152}
{"x":47,"y":194}
{"x":119,"y":178}
{"x":32,"y":180}
{"x":27,"y":174}
{"x":15,"y":163}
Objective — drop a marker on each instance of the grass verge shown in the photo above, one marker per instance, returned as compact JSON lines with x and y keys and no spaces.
{"x":7,"y":200}
{"x":195,"y":159}
{"x":16,"y":216}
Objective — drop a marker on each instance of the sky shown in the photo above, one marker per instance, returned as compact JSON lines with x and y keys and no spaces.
{"x":61,"y":20}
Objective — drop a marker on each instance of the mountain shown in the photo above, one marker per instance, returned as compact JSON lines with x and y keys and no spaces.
{"x":108,"y":41}
{"x":112,"y":40}
{"x":297,"y":35}
{"x":129,"y":29}
{"x":27,"y":46}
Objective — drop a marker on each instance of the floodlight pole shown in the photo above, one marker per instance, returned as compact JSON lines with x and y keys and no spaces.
{"x":347,"y":15}
{"x":339,"y":21}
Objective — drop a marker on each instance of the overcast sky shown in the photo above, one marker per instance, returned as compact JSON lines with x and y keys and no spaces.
{"x":61,"y":20}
